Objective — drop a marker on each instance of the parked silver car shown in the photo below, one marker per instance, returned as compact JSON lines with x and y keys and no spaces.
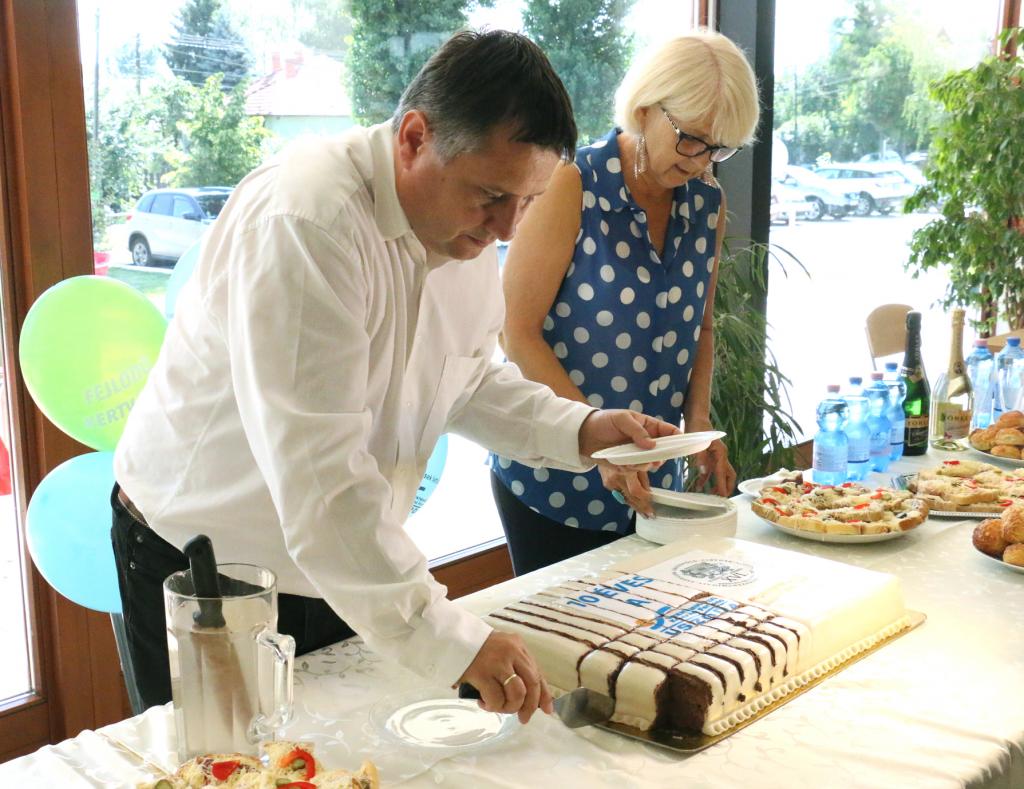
{"x":877,"y":185}
{"x":823,"y":197}
{"x":166,"y":222}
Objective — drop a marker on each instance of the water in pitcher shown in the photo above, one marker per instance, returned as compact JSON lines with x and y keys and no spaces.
{"x":220,"y":678}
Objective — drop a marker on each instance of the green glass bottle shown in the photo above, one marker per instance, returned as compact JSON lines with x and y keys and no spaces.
{"x":918,"y":402}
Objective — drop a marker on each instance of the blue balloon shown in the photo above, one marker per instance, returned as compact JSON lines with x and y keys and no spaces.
{"x":179,"y":276}
{"x":68,"y":531}
{"x":433,"y":474}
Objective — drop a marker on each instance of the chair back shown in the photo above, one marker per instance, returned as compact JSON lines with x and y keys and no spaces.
{"x":996,"y":343}
{"x":886,"y":329}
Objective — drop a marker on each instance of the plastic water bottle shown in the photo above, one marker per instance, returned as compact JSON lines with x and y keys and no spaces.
{"x":858,"y":435}
{"x":897,"y":419}
{"x":830,"y":444}
{"x":1009,"y":375}
{"x":879,"y":425}
{"x":980,"y":369}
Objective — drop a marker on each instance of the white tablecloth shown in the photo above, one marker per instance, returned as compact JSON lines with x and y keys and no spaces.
{"x":942,"y":706}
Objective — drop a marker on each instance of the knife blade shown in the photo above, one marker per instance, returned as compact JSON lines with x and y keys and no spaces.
{"x":579,"y":707}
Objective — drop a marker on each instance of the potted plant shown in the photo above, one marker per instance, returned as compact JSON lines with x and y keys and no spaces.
{"x":975,"y":172}
{"x":749,"y":393}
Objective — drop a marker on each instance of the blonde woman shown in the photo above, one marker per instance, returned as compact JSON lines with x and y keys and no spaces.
{"x":610,"y":285}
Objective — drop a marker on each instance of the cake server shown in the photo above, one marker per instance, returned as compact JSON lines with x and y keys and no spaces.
{"x":579,"y":707}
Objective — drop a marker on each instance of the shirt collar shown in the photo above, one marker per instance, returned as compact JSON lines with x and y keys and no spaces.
{"x":387,"y":211}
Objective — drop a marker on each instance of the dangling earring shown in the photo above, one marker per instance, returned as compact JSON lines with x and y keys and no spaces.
{"x":708,"y":176}
{"x":640,"y":156}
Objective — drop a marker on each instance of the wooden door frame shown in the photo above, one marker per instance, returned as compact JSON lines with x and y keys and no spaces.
{"x":45,"y":237}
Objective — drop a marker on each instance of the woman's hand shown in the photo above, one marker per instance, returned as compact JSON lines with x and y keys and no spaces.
{"x":713,"y":464}
{"x":633,"y":486}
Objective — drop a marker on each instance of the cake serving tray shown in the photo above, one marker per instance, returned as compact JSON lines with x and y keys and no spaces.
{"x":692,"y":743}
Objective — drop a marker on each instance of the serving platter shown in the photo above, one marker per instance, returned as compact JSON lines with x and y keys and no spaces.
{"x":1014,"y":567}
{"x":996,"y":459}
{"x":691,"y":743}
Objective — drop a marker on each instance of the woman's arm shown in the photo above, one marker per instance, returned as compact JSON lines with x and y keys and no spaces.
{"x":534,"y":269}
{"x":712,"y":463}
{"x":697,"y":408}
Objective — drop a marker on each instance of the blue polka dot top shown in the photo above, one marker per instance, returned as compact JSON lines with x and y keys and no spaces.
{"x":624,"y":324}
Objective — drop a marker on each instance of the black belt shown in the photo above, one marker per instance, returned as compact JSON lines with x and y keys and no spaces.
{"x":128,"y":505}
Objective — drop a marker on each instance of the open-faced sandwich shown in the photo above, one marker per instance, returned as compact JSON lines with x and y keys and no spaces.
{"x":284,"y":765}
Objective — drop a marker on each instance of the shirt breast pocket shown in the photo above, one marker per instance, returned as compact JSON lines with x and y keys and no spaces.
{"x":459,"y":377}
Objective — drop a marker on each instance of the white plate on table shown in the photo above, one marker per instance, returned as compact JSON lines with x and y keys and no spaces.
{"x":436,"y":722}
{"x":816,"y":536}
{"x":666,"y":448}
{"x":752,"y":487}
{"x":1016,"y":568}
{"x":995,"y":458}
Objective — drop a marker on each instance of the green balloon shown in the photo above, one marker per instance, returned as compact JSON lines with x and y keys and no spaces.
{"x":86,"y":347}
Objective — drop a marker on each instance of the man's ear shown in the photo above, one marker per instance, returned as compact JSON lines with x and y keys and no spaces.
{"x":413,"y":136}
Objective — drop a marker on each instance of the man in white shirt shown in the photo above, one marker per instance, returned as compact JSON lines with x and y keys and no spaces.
{"x":341,"y":317}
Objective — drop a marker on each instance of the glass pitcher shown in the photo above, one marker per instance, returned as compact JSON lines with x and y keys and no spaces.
{"x":231,"y":684}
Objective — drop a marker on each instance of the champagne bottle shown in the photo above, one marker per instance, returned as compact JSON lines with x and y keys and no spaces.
{"x":916,"y":405}
{"x":953,"y":396}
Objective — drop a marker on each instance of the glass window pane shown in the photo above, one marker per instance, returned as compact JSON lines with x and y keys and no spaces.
{"x":851,"y":102}
{"x":297,"y":68}
{"x":15,"y":673}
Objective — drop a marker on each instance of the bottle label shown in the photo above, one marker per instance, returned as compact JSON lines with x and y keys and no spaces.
{"x":914,"y":374}
{"x":915,"y":433}
{"x":952,"y":421}
{"x":828,"y":458}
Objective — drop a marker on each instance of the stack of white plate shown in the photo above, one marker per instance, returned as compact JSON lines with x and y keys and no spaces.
{"x":681,"y":515}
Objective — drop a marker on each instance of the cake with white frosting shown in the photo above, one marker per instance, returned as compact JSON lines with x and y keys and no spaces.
{"x":704,"y":640}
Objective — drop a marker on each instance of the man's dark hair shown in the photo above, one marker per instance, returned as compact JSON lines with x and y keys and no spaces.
{"x":477,"y":81}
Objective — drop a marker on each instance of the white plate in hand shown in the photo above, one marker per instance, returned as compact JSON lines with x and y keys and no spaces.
{"x":666,"y":448}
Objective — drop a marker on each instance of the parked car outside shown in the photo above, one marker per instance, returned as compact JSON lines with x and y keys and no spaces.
{"x":823,"y":197}
{"x":787,"y":204}
{"x":877,"y":185}
{"x":881,"y":156}
{"x":166,"y":222}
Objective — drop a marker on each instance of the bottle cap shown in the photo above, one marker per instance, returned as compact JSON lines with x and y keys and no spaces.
{"x":892,"y":366}
{"x":981,"y":342}
{"x":832,"y":388}
{"x":876,"y":375}
{"x":913,"y":319}
{"x":1014,"y":341}
{"x":856,"y":380}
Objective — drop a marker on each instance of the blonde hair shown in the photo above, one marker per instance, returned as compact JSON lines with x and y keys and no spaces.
{"x":698,"y":77}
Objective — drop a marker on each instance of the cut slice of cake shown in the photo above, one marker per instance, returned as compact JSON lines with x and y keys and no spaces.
{"x":706,"y":639}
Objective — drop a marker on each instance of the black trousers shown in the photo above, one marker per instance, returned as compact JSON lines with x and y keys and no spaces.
{"x":535,"y":541}
{"x":144,"y":560}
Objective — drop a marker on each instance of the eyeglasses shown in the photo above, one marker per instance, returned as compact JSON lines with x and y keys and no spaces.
{"x":688,"y":142}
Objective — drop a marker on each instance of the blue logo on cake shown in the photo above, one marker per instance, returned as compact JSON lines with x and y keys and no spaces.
{"x":715,"y":572}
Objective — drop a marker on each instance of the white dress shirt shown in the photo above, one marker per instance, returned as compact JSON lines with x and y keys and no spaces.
{"x":315,"y":356}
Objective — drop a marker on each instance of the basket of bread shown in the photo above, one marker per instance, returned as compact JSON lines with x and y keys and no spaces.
{"x":1003,"y":537}
{"x":1004,"y":438}
{"x":283,"y":764}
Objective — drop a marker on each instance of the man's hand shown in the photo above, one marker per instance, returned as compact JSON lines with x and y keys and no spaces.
{"x":508,"y":678}
{"x":603,"y":429}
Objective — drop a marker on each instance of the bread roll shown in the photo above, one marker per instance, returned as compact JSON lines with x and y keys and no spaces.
{"x":1013,"y":524}
{"x":988,"y":537}
{"x":1006,"y":451}
{"x":1014,"y":554}
{"x":1011,"y":419}
{"x":1009,"y":435}
{"x":983,"y":438}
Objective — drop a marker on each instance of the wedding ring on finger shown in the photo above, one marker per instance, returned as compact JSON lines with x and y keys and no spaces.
{"x":511,"y":677}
